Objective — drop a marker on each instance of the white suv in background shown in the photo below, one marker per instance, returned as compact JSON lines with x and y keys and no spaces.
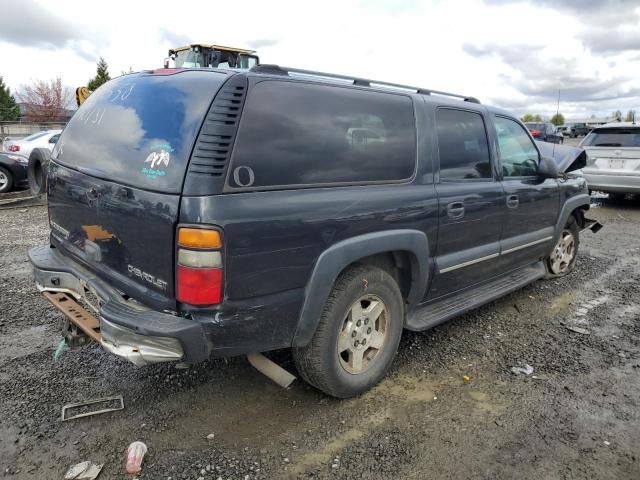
{"x":613,"y":158}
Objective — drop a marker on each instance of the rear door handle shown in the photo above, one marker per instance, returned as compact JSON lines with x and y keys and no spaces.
{"x":513,"y":201}
{"x":455,"y":210}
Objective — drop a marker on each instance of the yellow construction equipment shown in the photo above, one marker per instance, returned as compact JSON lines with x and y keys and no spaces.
{"x":202,"y":55}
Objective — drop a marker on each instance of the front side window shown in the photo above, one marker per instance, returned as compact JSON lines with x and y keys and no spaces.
{"x":297,"y":134}
{"x":518,"y":155}
{"x":463,"y":146}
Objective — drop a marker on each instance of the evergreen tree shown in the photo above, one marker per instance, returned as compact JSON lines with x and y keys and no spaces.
{"x":9,"y":110}
{"x":630,"y":116}
{"x":102,"y":75}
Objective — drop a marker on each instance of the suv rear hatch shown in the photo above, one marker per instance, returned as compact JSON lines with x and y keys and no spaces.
{"x":117,"y":173}
{"x":615,"y":150}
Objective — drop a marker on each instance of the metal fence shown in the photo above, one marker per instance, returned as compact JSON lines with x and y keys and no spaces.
{"x":16,"y":130}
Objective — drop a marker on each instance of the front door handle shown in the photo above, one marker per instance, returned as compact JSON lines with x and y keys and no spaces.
{"x":513,"y":201}
{"x":455,"y":210}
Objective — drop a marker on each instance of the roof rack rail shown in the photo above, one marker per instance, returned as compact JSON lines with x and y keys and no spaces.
{"x":362,"y":82}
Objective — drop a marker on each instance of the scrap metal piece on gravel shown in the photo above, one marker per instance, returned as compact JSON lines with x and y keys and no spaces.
{"x":582,"y":331}
{"x":83,"y":471}
{"x":107,"y":400}
{"x":527,"y":369}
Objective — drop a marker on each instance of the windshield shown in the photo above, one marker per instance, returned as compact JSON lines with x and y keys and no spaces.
{"x":613,"y":137}
{"x":189,"y":59}
{"x":139,"y":129}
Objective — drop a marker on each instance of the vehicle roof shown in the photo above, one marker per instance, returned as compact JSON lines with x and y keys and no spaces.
{"x":618,"y":124}
{"x":378,"y":86}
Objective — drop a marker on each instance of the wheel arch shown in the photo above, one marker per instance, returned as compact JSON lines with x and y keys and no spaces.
{"x":411,"y":245}
{"x":575,"y":206}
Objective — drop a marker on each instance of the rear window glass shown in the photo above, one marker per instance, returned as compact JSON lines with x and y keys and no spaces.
{"x":613,"y":137}
{"x":298,"y":134}
{"x":139,"y":129}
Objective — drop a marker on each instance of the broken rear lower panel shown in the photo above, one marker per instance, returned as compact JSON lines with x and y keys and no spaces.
{"x":143,"y":335}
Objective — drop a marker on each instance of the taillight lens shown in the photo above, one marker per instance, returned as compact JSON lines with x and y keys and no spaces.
{"x":199,"y":286}
{"x":200,"y":270}
{"x":14,"y":148}
{"x":535,"y":133}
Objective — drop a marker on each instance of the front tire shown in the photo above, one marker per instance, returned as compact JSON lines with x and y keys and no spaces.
{"x":6,"y":180}
{"x":562,"y":259}
{"x":357,"y":336}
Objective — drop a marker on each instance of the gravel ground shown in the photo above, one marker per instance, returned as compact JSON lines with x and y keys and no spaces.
{"x":576,"y":416}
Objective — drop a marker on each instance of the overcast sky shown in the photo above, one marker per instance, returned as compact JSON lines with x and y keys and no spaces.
{"x":511,"y":53}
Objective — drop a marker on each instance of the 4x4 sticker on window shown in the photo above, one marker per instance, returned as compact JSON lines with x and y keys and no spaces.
{"x":158,"y":159}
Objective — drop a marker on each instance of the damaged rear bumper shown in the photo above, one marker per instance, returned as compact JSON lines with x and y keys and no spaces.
{"x":143,"y":335}
{"x":122,"y":326}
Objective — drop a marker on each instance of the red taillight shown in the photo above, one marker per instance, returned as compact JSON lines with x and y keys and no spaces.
{"x":199,"y":272}
{"x":535,"y":133}
{"x":199,"y":286}
{"x":14,"y":148}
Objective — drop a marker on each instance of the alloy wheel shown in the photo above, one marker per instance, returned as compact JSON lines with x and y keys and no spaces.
{"x":363,"y":334}
{"x":563,"y":253}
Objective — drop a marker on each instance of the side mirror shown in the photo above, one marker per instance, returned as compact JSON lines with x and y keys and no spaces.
{"x":548,"y":168}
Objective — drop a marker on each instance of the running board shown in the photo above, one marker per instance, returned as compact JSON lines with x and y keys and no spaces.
{"x":432,"y":314}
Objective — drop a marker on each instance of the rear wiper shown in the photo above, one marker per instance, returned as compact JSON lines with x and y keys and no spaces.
{"x":608,"y":145}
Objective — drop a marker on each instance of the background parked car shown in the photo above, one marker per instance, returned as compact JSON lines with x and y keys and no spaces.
{"x":545,"y":132}
{"x":575,"y":130}
{"x":23,"y":147}
{"x":13,"y":171}
{"x":613,"y":158}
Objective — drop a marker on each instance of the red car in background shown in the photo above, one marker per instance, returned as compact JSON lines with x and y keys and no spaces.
{"x":545,"y":132}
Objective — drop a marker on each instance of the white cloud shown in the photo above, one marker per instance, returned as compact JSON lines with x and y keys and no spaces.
{"x":531,"y":49}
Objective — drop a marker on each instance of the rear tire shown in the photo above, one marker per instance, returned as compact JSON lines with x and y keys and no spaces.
{"x":357,"y":336}
{"x":562,"y":259}
{"x":6,"y":180}
{"x":37,"y":170}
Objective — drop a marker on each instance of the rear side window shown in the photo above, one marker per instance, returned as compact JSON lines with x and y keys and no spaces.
{"x":463,"y":146}
{"x":295,"y":134}
{"x":613,"y":137}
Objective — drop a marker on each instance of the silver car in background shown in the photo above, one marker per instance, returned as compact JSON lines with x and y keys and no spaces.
{"x":24,"y":147}
{"x":613,"y":158}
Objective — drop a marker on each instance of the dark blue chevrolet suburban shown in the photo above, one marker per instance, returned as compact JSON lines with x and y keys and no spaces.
{"x":200,"y":213}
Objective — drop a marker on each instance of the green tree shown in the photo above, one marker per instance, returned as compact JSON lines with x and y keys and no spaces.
{"x":527,"y":117}
{"x":557,"y":119}
{"x":537,"y":118}
{"x":9,"y":110}
{"x":102,"y":75}
{"x":630,"y":116}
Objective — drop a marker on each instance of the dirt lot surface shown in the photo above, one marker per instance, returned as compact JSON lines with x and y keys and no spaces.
{"x":576,"y":416}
